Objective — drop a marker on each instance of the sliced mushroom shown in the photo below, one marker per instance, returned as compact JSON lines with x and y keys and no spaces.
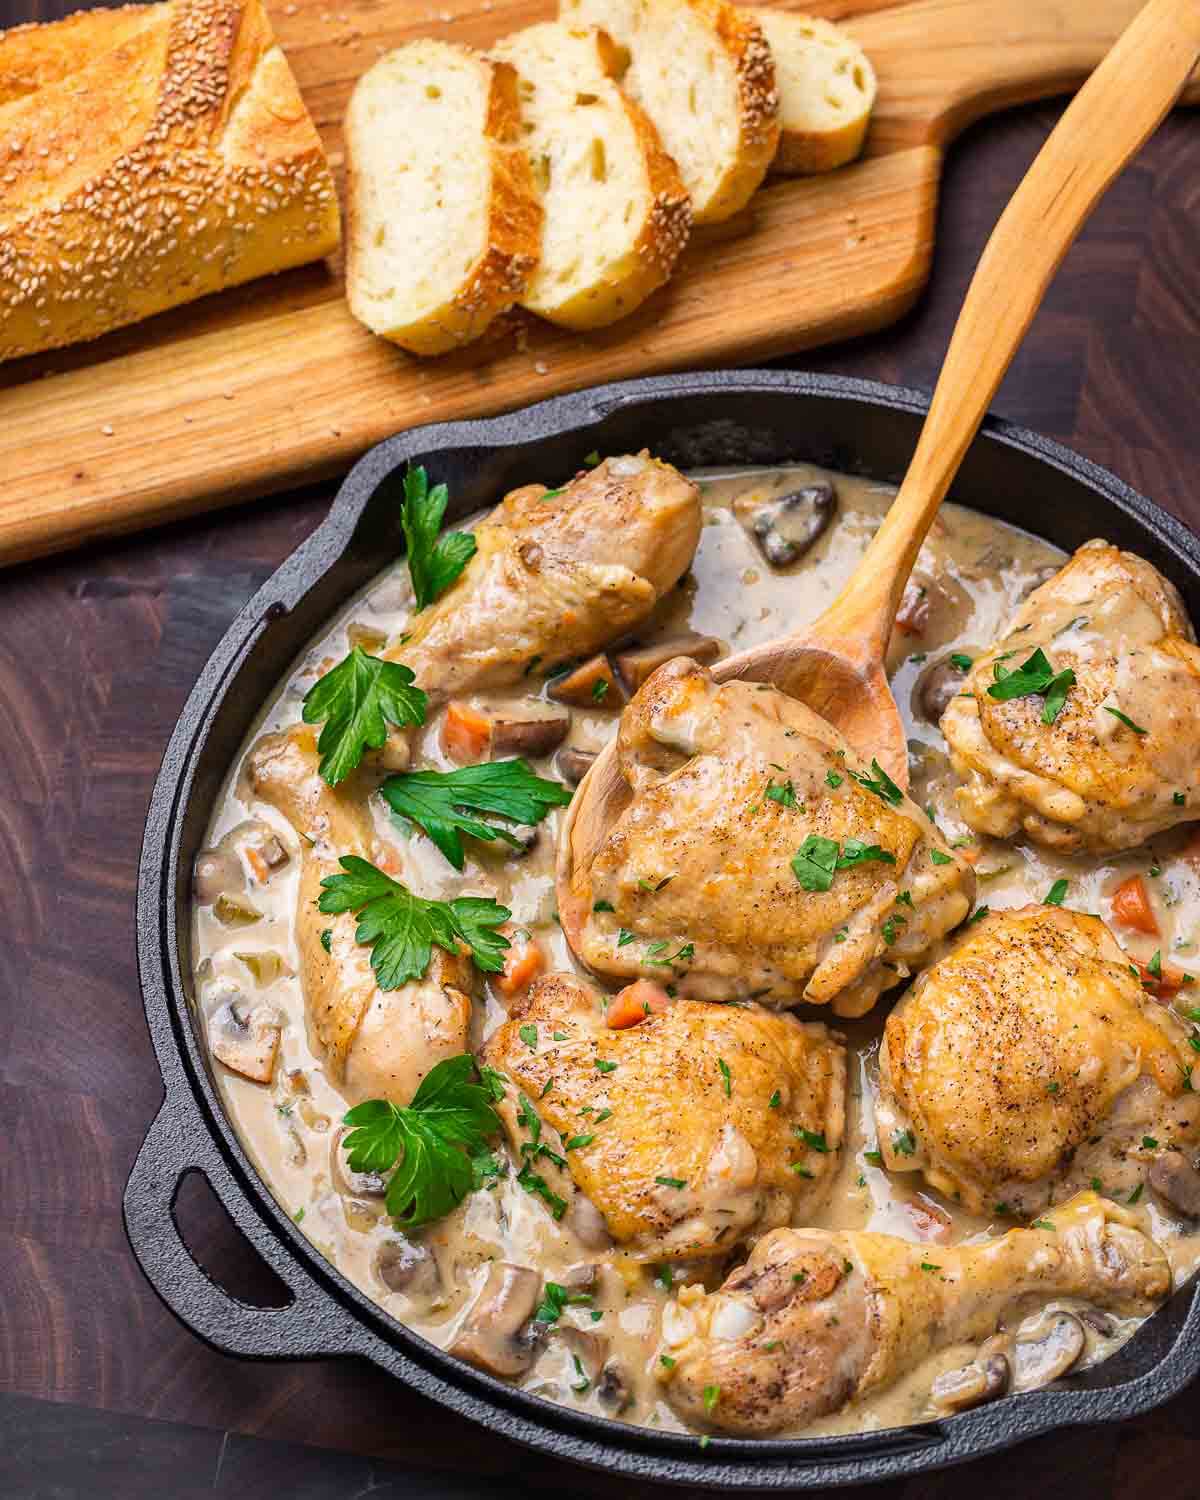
{"x":349,"y":1183}
{"x":613,"y":1386}
{"x":593,"y":685}
{"x":971,"y":1385}
{"x":787,"y":526}
{"x":1101,"y":1323}
{"x":259,"y":845}
{"x":636,"y":664}
{"x":217,"y":872}
{"x":940,"y":681}
{"x":1175,"y":1178}
{"x":1044,"y":1348}
{"x":245,"y":1038}
{"x":573,"y":765}
{"x":405,"y":1267}
{"x":934,"y":608}
{"x":529,"y":736}
{"x":491,"y":1337}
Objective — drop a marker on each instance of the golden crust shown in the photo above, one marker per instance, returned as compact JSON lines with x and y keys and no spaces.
{"x":758,"y":124}
{"x":174,"y":158}
{"x":513,"y":241}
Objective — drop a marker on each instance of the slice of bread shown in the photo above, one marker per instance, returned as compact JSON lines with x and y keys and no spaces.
{"x":616,"y":213}
{"x":444,"y":218}
{"x":826,"y":92}
{"x":702,"y":71}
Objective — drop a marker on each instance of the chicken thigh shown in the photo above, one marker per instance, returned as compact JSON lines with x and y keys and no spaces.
{"x":1029,"y":1062}
{"x":688,"y":1132}
{"x":817,"y":1318}
{"x":757,"y":857}
{"x":376,"y":1044}
{"x":557,"y":574}
{"x":1117,"y":763}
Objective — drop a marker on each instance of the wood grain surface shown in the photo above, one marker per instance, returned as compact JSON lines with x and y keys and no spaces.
{"x":106,"y":1396}
{"x":274,"y":383}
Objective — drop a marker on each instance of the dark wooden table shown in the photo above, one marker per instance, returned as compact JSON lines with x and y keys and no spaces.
{"x":104,"y":1394}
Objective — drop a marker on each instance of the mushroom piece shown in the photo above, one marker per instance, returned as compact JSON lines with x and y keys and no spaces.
{"x":587,"y":1222}
{"x":245,"y":1038}
{"x":217,"y":872}
{"x":492,"y":1336}
{"x":1044,"y":1348}
{"x":971,"y":1385}
{"x":529,"y":736}
{"x":573,"y":765}
{"x":405,"y":1267}
{"x":636,"y":664}
{"x":259,"y":845}
{"x":1174,"y":1177}
{"x":348,"y":1183}
{"x":787,"y":526}
{"x":613,"y":1386}
{"x":592,"y":685}
{"x":938,"y":683}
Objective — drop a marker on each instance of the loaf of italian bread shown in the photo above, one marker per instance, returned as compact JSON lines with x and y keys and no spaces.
{"x":617,"y":215}
{"x":445,"y":224}
{"x":826,"y":92}
{"x":702,"y":71}
{"x":148,"y":156}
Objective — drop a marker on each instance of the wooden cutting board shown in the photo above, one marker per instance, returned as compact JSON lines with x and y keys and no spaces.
{"x":274,"y":384}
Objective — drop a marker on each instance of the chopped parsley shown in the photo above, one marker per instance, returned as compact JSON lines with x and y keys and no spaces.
{"x":785,"y":795}
{"x":814,"y":1139}
{"x":773,"y":1101}
{"x":962,"y":662}
{"x":712,"y":1394}
{"x":599,"y":690}
{"x":671,"y":1182}
{"x":1178,"y":799}
{"x":603,"y":906}
{"x":532,"y":1182}
{"x":1149,"y":1143}
{"x":726,"y":1076}
{"x":938,"y":858}
{"x":1043,"y":1224}
{"x":666,"y":1361}
{"x":327,"y":938}
{"x":1056,"y":895}
{"x":578,"y":1142}
{"x":624,"y":937}
{"x":1035,"y":677}
{"x":833,"y":779}
{"x":1125,"y":719}
{"x":556,"y":1299}
{"x":978,"y":914}
{"x":1136,"y":1194}
{"x":663,"y":1277}
{"x":604,"y":1066}
{"x":874,"y":1158}
{"x":818,"y":858}
{"x":904,"y":1143}
{"x":529,"y":1035}
{"x":880,"y":783}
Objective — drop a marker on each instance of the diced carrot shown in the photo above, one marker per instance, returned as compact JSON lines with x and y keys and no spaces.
{"x":1131,"y":906}
{"x":523,"y":962}
{"x":258,"y":865}
{"x":635,"y":1002}
{"x":1164,"y":985}
{"x":466,"y":734}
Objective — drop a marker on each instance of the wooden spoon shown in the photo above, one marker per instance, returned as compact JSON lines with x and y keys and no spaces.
{"x":836,"y":666}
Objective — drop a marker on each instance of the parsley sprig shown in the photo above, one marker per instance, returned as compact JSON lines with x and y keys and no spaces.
{"x":443,"y":804}
{"x":433,"y":564}
{"x":435,"y":1139}
{"x":401,"y":928}
{"x":1035,"y":677}
{"x":358,"y":699}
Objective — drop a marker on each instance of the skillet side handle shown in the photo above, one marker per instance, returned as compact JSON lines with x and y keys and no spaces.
{"x":307,"y":1327}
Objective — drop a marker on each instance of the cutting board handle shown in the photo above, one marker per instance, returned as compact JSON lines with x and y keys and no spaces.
{"x":950,"y":62}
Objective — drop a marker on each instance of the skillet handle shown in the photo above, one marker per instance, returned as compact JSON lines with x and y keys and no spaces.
{"x":307,"y":1327}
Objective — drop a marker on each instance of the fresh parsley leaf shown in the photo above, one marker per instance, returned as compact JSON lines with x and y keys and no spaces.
{"x":433,"y":564}
{"x":529,"y":1035}
{"x":814,"y":863}
{"x":785,"y":795}
{"x":856,"y":852}
{"x":1126,"y":720}
{"x":432,"y":1142}
{"x":880,"y":783}
{"x":443,"y":803}
{"x":1035,"y":677}
{"x":963,"y":662}
{"x":358,"y":699}
{"x":1057,"y":893}
{"x":401,"y":929}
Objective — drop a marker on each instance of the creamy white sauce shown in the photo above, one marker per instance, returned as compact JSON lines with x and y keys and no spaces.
{"x":980,"y":569}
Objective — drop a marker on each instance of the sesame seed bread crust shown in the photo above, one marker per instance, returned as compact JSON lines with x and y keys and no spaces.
{"x":510,"y":213}
{"x":617,"y":213}
{"x":151,"y":164}
{"x":683,"y":51}
{"x":826,"y":92}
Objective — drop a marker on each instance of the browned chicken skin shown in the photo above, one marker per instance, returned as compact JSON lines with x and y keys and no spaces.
{"x":1029,"y":1062}
{"x":377,"y":1044}
{"x":557,"y":575}
{"x":818,"y":1318}
{"x":1089,"y":780}
{"x":701,"y":858}
{"x":694,"y":1157}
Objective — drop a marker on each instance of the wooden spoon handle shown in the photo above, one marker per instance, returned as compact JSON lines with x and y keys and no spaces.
{"x":1107,"y":122}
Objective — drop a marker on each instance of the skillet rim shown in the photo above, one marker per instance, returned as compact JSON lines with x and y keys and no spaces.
{"x":332,"y":1317}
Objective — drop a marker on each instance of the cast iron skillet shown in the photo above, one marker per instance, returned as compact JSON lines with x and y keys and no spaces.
{"x":746,"y":417}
